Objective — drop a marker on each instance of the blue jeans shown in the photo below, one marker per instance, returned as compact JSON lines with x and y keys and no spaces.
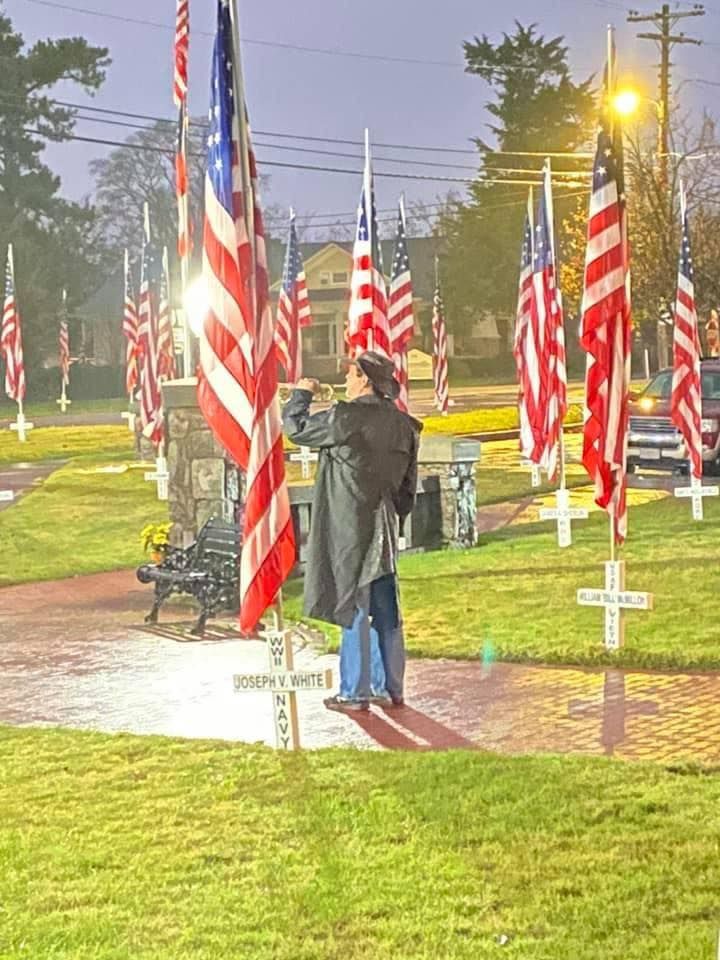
{"x":372,"y":654}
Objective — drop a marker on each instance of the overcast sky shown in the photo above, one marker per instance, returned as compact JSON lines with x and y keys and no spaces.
{"x":292,"y":91}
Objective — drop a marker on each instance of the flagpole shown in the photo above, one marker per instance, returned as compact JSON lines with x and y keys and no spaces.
{"x":63,"y":392}
{"x":20,"y":415}
{"x":126,"y":268}
{"x":550,"y":208}
{"x":369,"y":217}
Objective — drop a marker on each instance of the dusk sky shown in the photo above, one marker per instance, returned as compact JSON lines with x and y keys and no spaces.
{"x":300,"y":92}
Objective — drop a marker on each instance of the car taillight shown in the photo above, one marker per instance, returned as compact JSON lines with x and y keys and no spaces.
{"x":710,"y":429}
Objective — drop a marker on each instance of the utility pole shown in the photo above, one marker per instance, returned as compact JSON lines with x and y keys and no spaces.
{"x":666,"y":40}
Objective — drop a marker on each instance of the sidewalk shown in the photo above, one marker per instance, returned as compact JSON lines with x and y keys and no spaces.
{"x":75,"y":653}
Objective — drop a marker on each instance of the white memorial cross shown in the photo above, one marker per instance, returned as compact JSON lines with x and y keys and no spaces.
{"x":21,"y":425}
{"x":615,"y":599}
{"x":63,"y":401}
{"x":305,"y":457}
{"x":130,"y":417}
{"x":534,"y":472}
{"x":564,"y":514}
{"x":697,"y":491}
{"x":161,"y":476}
{"x":284,"y":683}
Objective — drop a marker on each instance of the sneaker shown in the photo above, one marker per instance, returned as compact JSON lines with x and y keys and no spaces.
{"x":345,"y":705}
{"x":397,"y":701}
{"x":383,"y":699}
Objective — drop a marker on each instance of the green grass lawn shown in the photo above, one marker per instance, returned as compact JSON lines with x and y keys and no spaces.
{"x":117,"y":847}
{"x":48,"y":408}
{"x":78,"y":521}
{"x":487,"y":420}
{"x":62,"y":443}
{"x":515,"y":593}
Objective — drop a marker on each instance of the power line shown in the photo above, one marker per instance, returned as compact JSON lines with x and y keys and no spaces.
{"x":298,"y":166}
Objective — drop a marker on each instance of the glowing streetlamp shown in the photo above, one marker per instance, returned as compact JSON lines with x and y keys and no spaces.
{"x":196,"y":303}
{"x":626,"y":102}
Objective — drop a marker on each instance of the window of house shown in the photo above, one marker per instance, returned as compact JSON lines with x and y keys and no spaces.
{"x":340,"y":276}
{"x":319,"y":339}
{"x":325,"y":277}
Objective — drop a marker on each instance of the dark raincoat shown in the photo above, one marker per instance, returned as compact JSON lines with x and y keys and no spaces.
{"x":366,"y":477}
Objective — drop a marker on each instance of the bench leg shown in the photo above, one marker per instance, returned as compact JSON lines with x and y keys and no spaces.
{"x":199,"y":629}
{"x":161,"y":596}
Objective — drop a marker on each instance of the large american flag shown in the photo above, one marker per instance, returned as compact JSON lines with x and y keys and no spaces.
{"x":548,"y":303}
{"x":182,"y":44}
{"x":11,"y":338}
{"x":64,"y":343}
{"x":522,"y":321}
{"x":237,"y":386}
{"x":368,"y":315}
{"x":400,"y":309}
{"x":166,"y":344}
{"x":293,"y":310}
{"x":151,"y":412}
{"x":130,"y":331}
{"x":686,"y":398}
{"x":606,"y":326}
{"x":440,"y":350}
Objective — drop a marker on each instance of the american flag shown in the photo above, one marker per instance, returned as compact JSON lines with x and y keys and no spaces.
{"x":293,"y":311}
{"x":151,"y":413}
{"x":10,"y":337}
{"x":166,"y":344}
{"x":440,"y":353}
{"x":130,"y":331}
{"x":547,"y":301}
{"x":64,"y":343}
{"x":368,"y":316}
{"x":522,"y":322}
{"x":686,"y":398}
{"x":237,"y":387}
{"x":606,"y":326}
{"x":182,"y":44}
{"x":400,"y":309}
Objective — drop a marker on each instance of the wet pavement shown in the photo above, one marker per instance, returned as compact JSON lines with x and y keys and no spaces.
{"x":75,"y":653}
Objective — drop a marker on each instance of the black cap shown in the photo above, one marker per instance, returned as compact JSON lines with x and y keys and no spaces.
{"x":380,"y":371}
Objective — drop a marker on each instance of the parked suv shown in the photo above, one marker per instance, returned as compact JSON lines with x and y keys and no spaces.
{"x":654,"y":440}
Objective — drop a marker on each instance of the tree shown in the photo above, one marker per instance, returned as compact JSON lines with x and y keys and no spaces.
{"x":52,"y":238}
{"x":536,"y":107}
{"x":143,"y":171}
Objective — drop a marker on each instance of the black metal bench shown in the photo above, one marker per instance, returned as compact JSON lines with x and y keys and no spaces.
{"x":208,"y":570}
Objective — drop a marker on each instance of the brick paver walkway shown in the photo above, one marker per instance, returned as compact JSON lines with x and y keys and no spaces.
{"x":75,"y":653}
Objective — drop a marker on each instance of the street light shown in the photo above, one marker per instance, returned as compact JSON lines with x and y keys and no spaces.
{"x":626,"y":102}
{"x":196,"y":303}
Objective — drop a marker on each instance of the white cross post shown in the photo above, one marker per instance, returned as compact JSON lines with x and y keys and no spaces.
{"x":305,"y":457}
{"x":130,"y":417}
{"x":21,"y":425}
{"x":63,"y":401}
{"x":160,"y":476}
{"x":534,"y":472}
{"x":6,"y":496}
{"x":696,"y":491}
{"x":284,"y":682}
{"x":564,"y":514}
{"x":615,"y":599}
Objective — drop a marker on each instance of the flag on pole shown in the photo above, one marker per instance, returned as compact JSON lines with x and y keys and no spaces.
{"x":547,"y":300}
{"x":293,"y":310}
{"x":440,"y":354}
{"x":64,"y":343}
{"x":368,"y":315}
{"x":130,"y":331}
{"x":151,"y":413}
{"x":522,"y":322}
{"x":182,"y":45}
{"x":166,"y":345}
{"x":686,"y":398}
{"x":237,"y":388}
{"x":182,"y":191}
{"x":606,"y":323}
{"x":11,"y":338}
{"x":400,"y":308}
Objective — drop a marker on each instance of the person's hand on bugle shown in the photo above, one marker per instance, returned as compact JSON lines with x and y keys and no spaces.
{"x":308,"y":383}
